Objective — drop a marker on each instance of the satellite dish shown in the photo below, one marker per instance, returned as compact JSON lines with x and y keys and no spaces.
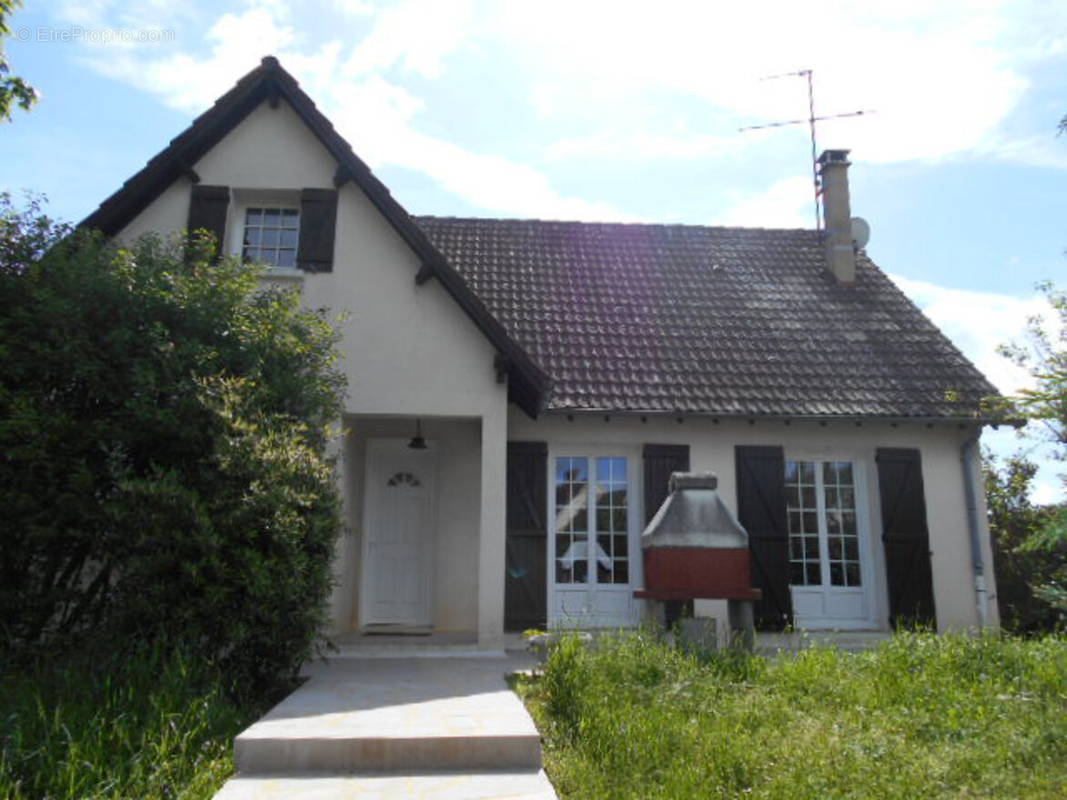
{"x":861,"y":232}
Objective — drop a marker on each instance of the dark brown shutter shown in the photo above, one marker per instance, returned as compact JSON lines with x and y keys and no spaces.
{"x":660,"y":461}
{"x":526,"y":547}
{"x":905,"y":536}
{"x":761,"y":510}
{"x":318,"y":222}
{"x":207,"y":211}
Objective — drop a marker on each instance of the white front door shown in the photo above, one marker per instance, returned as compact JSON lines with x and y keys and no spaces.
{"x":592,"y":543}
{"x":829,"y":545}
{"x":398,"y":534}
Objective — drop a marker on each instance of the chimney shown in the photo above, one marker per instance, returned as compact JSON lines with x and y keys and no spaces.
{"x":837,"y":215}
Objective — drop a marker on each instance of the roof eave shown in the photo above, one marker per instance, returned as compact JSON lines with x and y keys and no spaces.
{"x":529,"y":386}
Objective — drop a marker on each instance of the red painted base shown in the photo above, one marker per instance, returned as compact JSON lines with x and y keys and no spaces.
{"x":679,"y":572}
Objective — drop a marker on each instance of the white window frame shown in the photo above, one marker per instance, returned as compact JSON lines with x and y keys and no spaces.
{"x":243,"y":199}
{"x":635,"y":508}
{"x":871,"y":560}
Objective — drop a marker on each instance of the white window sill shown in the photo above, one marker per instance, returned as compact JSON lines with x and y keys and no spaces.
{"x":284,"y":274}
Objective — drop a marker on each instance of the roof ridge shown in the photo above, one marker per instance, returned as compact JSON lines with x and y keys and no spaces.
{"x":609,"y":223}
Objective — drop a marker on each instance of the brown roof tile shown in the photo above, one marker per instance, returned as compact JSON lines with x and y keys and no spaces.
{"x":688,"y":319}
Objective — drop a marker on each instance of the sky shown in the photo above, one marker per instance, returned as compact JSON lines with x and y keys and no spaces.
{"x":618,"y":111}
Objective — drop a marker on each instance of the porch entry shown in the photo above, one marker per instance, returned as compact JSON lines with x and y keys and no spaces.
{"x":399,"y":520}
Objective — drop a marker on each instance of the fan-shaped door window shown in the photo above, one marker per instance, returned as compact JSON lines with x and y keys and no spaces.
{"x":404,"y":479}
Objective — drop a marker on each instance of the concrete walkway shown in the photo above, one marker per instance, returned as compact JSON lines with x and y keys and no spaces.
{"x":441,"y":728}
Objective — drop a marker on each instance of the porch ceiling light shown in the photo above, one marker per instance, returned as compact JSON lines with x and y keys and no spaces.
{"x":417,"y":442}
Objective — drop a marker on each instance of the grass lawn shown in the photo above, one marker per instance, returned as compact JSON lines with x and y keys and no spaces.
{"x":145,"y":725}
{"x":923,"y":716}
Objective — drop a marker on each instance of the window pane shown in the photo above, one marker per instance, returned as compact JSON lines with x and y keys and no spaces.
{"x":848,"y":523}
{"x":603,"y":519}
{"x":837,"y":574}
{"x":807,"y":472}
{"x":814,"y":573}
{"x":269,"y":237}
{"x":852,"y":548}
{"x":833,"y":548}
{"x":807,"y":497}
{"x":579,"y":519}
{"x":254,"y":216}
{"x":287,"y":239}
{"x":271,"y":216}
{"x":251,"y":236}
{"x":612,"y":514}
{"x":796,"y":573}
{"x":622,"y":571}
{"x":792,"y":471}
{"x":852,"y":573}
{"x":829,"y":472}
{"x":287,"y":258}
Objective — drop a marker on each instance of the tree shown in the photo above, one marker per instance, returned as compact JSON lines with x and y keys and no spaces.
{"x":163,"y":429}
{"x":1044,"y":354}
{"x":13,"y":89}
{"x":1016,"y":525}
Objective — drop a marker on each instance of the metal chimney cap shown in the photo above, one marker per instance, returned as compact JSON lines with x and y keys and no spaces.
{"x":693,"y":480}
{"x":834,"y":157}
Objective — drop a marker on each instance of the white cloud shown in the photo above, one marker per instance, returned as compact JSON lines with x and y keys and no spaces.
{"x":191,"y":83}
{"x":418,"y":35}
{"x":354,"y":8}
{"x":789,"y":203}
{"x":377,"y":116}
{"x":639,"y":144}
{"x":941,"y":77}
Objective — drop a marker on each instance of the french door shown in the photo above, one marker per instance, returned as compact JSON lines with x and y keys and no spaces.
{"x":828,"y":545}
{"x":592,"y":542}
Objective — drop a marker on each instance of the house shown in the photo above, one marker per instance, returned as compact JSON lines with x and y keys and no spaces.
{"x":521,"y":390}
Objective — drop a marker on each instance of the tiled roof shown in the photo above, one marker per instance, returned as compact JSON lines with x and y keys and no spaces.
{"x":687,"y":319}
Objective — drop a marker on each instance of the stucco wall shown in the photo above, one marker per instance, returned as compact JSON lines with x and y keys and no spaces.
{"x":712,"y":449}
{"x":408,"y":350}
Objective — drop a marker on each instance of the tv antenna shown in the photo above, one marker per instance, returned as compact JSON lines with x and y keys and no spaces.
{"x":810,"y":120}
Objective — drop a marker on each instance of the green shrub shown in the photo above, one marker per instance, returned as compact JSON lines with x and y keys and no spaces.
{"x":922,"y":716}
{"x":163,"y":428}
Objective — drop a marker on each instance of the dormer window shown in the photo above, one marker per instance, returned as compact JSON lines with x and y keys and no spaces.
{"x":270,"y":235}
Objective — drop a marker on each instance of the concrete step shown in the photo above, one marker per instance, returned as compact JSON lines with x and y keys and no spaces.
{"x":398,"y":715}
{"x":497,"y":785}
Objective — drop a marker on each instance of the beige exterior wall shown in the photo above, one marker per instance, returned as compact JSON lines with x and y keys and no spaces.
{"x":712,"y":449}
{"x":409,"y":351}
